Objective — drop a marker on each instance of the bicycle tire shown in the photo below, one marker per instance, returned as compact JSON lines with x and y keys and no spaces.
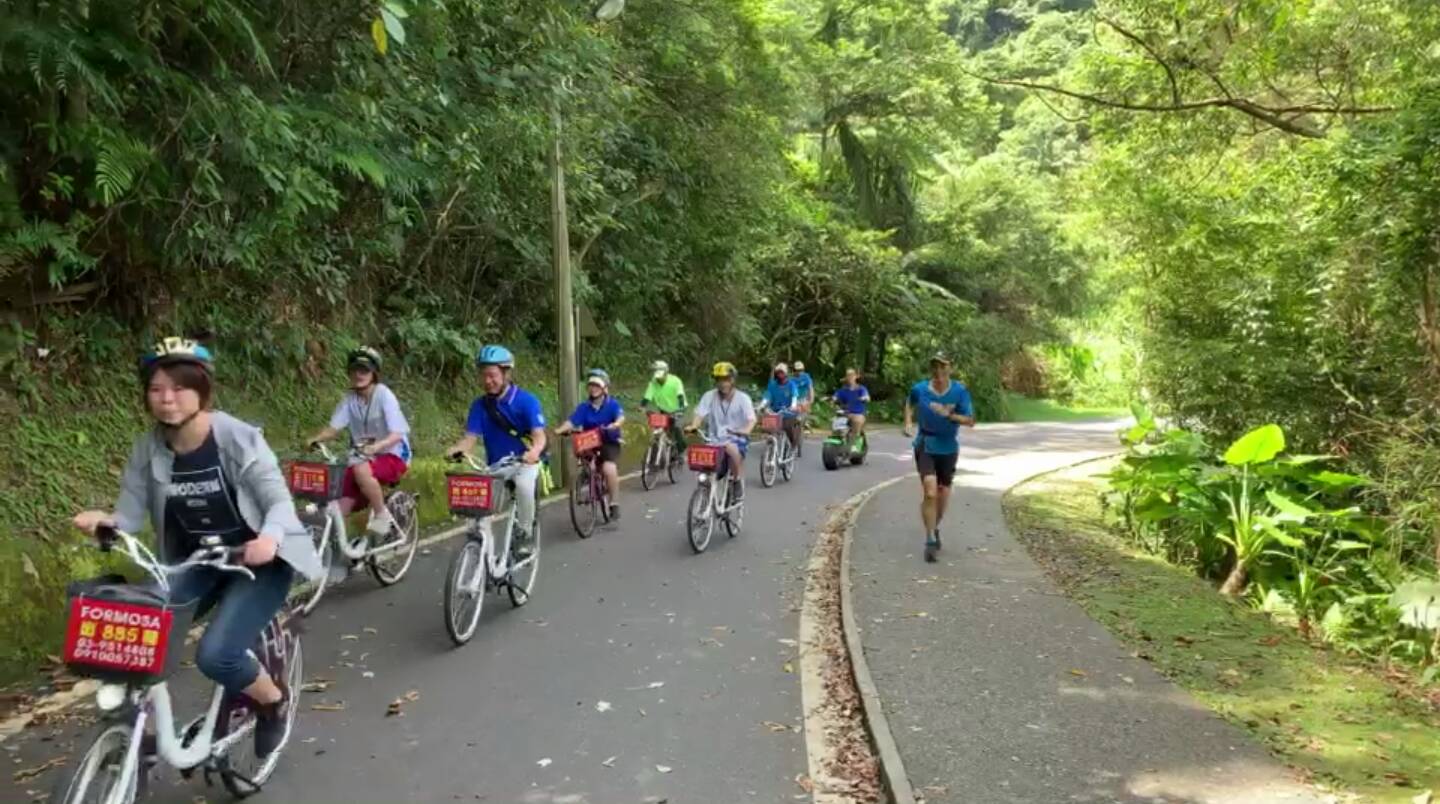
{"x":390,"y":569}
{"x":735,"y":518}
{"x":106,"y":753}
{"x":672,"y":462}
{"x":320,"y":536}
{"x":787,"y":464}
{"x":767,"y":463}
{"x":520,"y":590}
{"x":578,"y":507}
{"x":460,"y":622}
{"x":650,"y":469}
{"x":699,"y":523}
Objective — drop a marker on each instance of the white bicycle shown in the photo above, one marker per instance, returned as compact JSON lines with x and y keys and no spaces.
{"x":388,"y":560}
{"x":714,"y":495}
{"x":485,"y":561}
{"x":779,"y":456}
{"x":129,"y":637}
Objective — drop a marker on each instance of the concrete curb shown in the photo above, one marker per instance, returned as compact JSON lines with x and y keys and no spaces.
{"x":892,"y":767}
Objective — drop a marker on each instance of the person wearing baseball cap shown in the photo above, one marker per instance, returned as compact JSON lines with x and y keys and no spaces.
{"x":666,"y":394}
{"x":942,"y":406}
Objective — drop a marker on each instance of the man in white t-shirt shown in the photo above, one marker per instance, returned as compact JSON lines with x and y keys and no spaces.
{"x":370,"y":411}
{"x":727,"y":413}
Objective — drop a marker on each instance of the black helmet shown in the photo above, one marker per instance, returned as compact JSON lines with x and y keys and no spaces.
{"x":364,"y":357}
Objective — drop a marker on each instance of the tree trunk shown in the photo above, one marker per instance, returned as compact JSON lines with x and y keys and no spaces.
{"x":1235,"y":582}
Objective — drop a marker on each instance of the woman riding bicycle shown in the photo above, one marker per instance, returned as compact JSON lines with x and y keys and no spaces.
{"x":601,"y":412}
{"x":202,"y":473}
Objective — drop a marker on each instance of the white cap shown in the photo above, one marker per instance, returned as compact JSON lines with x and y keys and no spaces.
{"x":659,"y":366}
{"x":782,"y":367}
{"x":799,"y":365}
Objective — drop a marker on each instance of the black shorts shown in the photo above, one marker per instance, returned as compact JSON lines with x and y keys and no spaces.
{"x":941,"y":466}
{"x":610,"y":452}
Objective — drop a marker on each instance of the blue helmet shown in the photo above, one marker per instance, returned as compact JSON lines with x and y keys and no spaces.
{"x":176,"y":350}
{"x":493,"y":354}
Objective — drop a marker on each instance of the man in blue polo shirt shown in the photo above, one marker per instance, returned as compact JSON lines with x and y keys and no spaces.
{"x":511,"y":423}
{"x":944,"y":406}
{"x":601,"y":412}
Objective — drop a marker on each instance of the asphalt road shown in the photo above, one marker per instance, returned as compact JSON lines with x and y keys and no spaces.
{"x":639,"y":672}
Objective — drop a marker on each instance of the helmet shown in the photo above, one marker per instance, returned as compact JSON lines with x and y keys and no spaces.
{"x":174,"y":350}
{"x":781,"y":368}
{"x":365,"y":357}
{"x":660,"y":367}
{"x":493,"y":354}
{"x":598,"y":376}
{"x":723,"y":369}
{"x":799,"y":366}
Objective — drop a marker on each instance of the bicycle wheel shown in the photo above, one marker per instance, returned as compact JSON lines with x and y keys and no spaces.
{"x":650,"y":469}
{"x":465,"y":591}
{"x":583,"y":512}
{"x":522,"y":575}
{"x":389,"y":568}
{"x":96,"y":776}
{"x":735,"y":518}
{"x":699,"y":524}
{"x":310,"y":598}
{"x":672,"y":462}
{"x":767,"y":464}
{"x":787,"y":462}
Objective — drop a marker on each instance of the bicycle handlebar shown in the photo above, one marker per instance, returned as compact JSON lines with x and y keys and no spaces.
{"x":211,"y":553}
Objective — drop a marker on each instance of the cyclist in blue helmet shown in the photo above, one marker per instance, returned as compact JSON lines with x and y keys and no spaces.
{"x":200,"y":473}
{"x":510,"y":422}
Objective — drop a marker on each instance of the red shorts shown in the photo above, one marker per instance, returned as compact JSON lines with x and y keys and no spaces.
{"x":388,"y":469}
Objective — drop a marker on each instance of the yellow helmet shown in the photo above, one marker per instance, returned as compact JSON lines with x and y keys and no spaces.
{"x":723,"y":369}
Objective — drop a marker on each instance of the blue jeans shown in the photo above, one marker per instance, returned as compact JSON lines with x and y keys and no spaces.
{"x":242,"y":610}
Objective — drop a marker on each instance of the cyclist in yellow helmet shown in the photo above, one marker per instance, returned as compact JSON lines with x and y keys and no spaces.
{"x":727,"y":414}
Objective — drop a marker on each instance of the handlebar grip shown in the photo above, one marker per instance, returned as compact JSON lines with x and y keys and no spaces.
{"x":107,"y":536}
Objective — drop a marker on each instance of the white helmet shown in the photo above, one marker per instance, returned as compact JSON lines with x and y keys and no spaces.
{"x":799,"y":366}
{"x":781,"y":368}
{"x":660,"y":367}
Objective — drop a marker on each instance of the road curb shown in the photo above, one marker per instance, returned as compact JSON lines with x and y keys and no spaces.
{"x":892,"y":767}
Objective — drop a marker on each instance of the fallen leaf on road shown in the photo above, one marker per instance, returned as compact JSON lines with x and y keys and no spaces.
{"x":775,"y":727}
{"x":805,"y":783}
{"x":663,"y":768}
{"x":609,"y":763}
{"x":315,"y":685}
{"x":412,"y":696}
{"x":544,"y":763}
{"x":920,"y":614}
{"x":370,"y":630}
{"x":655,"y":685}
{"x":25,"y":774}
{"x":344,"y":637}
{"x":602,"y":706}
{"x":789,"y":643}
{"x":1080,"y":673}
{"x":789,"y":667}
{"x":367,"y":674}
{"x":328,"y":707}
{"x":395,"y":709}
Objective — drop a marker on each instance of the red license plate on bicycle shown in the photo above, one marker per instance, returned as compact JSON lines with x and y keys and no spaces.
{"x":470,"y":495}
{"x":317,"y":481}
{"x":587,"y":441}
{"x":659,"y":421}
{"x":770,"y":423}
{"x":112,"y":638}
{"x":704,"y":457}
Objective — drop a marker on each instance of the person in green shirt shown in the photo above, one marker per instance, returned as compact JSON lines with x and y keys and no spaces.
{"x":666,"y":393}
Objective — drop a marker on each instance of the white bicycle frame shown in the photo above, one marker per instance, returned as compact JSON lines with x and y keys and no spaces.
{"x":784,"y":450}
{"x":666,"y":447}
{"x":716,"y":507}
{"x":356,"y":550}
{"x":110,"y":697}
{"x":496,"y":563}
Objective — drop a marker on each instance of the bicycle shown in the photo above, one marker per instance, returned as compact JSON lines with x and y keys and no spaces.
{"x":843,"y":444}
{"x":320,"y":484}
{"x":588,"y":493}
{"x":477,"y":567}
{"x":779,"y":456}
{"x":130,"y":638}
{"x":661,"y":454}
{"x":714,"y":496}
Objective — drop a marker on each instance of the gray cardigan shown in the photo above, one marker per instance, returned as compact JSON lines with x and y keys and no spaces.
{"x":260,"y":489}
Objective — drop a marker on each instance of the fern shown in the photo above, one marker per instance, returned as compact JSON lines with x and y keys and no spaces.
{"x":120,"y":160}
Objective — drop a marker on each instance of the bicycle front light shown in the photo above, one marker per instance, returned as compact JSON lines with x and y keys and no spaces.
{"x":110,"y":697}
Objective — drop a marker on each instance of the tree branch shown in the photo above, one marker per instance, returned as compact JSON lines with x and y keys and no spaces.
{"x":1169,"y":72}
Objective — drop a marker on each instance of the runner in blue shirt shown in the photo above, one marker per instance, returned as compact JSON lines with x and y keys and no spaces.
{"x":601,"y":412}
{"x":943,"y":406}
{"x":854,"y":398}
{"x":511,"y":423}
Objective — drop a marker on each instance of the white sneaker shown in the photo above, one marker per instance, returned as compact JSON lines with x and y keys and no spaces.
{"x":380,"y":525}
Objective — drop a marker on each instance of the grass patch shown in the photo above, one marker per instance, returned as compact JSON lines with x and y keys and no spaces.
{"x":1337,"y":721}
{"x":1024,"y":409}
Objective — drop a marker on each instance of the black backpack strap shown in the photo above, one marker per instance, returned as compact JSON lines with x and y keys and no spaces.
{"x":499,"y":419}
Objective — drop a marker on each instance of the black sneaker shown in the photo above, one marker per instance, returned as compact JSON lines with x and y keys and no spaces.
{"x":520,"y":545}
{"x":937,"y":540}
{"x":614,"y":513}
{"x":932,"y":546}
{"x":270,"y":727}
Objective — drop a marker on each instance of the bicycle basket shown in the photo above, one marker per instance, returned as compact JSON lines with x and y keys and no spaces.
{"x":470,"y":495}
{"x":770,"y":423}
{"x":123,"y":633}
{"x":317,"y":481}
{"x":587,"y":441}
{"x":704,"y":457}
{"x":659,"y":421}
